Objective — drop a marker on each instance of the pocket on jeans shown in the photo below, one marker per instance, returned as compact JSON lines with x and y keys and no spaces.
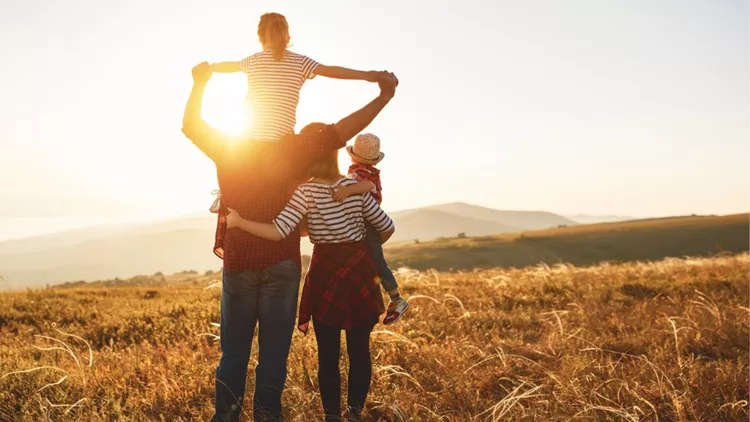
{"x":287,"y":269}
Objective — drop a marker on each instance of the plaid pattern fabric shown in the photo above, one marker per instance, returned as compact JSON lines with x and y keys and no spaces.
{"x":361,"y":172}
{"x":257,"y":179}
{"x":341,"y":288}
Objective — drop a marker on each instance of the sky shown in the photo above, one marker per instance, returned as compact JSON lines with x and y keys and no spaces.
{"x":626,"y":107}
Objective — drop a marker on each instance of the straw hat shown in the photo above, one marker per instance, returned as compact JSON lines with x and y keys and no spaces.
{"x":366,"y":149}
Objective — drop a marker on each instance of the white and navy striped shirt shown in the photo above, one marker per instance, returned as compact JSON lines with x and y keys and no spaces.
{"x":329,"y":221}
{"x":273,"y":92}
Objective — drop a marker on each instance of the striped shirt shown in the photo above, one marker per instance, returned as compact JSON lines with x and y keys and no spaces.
{"x":273,"y":92}
{"x":329,"y":221}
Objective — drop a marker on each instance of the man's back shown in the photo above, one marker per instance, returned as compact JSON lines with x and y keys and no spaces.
{"x":257,"y":179}
{"x":257,"y":182}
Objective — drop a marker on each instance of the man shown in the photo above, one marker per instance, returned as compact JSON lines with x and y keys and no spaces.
{"x":261,"y":278}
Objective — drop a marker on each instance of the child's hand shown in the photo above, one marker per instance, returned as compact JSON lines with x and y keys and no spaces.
{"x":340,"y":194}
{"x":373,"y":76}
{"x":233,"y":218}
{"x":202,"y":72}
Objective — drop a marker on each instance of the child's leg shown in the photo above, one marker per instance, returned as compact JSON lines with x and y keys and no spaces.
{"x":375,"y":245}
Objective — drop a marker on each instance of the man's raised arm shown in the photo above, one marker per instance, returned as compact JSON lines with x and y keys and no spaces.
{"x":356,"y":122}
{"x":317,"y":140}
{"x":206,"y":138}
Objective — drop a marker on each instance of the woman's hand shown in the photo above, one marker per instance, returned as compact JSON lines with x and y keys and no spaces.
{"x":340,"y":194}
{"x":233,"y":218}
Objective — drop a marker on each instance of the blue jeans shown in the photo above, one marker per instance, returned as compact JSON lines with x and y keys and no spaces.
{"x":267,"y":297}
{"x":375,"y":244}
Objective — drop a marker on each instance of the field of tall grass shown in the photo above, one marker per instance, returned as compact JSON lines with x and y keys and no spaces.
{"x":661,"y":341}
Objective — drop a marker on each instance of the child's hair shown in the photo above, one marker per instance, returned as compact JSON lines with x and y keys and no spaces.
{"x":273,"y":31}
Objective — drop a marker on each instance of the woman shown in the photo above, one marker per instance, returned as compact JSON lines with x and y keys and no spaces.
{"x":341,"y":290}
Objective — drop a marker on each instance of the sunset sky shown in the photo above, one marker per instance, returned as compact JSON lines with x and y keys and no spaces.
{"x":628,"y":107}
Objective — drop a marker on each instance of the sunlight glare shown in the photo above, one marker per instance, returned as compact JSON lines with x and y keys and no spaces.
{"x":224,"y":103}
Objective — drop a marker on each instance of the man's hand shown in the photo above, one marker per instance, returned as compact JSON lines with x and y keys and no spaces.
{"x":377,"y":75}
{"x":202,"y":72}
{"x":388,"y":83}
{"x":385,"y":75}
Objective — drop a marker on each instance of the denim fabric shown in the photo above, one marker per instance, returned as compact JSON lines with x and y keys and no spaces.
{"x":267,"y":297}
{"x":374,"y":243}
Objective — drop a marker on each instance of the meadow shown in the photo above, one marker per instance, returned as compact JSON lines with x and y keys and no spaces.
{"x":640,"y":341}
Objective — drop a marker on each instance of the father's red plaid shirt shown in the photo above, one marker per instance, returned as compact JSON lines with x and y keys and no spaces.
{"x":257,"y":179}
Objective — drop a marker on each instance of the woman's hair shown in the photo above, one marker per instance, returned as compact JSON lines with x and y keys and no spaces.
{"x":326,"y":167}
{"x":273,"y":31}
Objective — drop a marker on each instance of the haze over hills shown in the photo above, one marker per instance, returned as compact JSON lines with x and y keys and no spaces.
{"x":431,"y":223}
{"x":523,"y":220}
{"x":596,"y":219}
{"x":185,"y":244}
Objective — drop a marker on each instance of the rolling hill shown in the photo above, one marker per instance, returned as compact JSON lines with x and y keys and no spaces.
{"x":652,"y":239}
{"x":427,"y":224}
{"x":184,"y":244}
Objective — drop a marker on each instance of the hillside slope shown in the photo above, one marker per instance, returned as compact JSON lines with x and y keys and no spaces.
{"x":582,"y":245}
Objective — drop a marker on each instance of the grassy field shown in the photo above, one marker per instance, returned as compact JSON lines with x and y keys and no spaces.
{"x":664,"y":341}
{"x":581,"y":245}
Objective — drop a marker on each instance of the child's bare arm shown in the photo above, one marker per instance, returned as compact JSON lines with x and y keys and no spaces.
{"x":338,"y":72}
{"x":359,"y":188}
{"x":225,"y":67}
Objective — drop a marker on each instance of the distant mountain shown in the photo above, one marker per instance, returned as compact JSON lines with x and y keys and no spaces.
{"x":60,"y":239}
{"x":428,"y":224}
{"x":185,"y":244}
{"x":596,"y":219}
{"x":120,"y":255}
{"x":523,"y":220}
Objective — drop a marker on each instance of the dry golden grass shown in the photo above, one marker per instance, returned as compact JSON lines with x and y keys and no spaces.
{"x":664,"y":341}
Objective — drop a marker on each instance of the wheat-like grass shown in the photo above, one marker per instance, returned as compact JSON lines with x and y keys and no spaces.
{"x":662,"y":341}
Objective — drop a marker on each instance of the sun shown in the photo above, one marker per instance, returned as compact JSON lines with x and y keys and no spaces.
{"x":224,"y":104}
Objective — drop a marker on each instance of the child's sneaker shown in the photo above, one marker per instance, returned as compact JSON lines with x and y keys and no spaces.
{"x":216,"y":206}
{"x":395,"y":311}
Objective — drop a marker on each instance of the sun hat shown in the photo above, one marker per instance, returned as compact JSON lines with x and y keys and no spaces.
{"x":366,"y":149}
